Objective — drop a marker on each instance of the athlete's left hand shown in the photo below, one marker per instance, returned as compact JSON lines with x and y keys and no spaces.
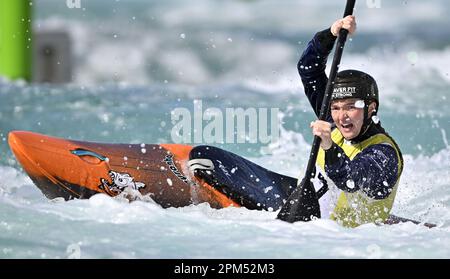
{"x":322,"y":129}
{"x":348,"y":22}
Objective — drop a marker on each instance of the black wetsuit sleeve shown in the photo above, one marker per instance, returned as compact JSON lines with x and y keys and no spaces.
{"x":311,"y":68}
{"x":374,"y":170}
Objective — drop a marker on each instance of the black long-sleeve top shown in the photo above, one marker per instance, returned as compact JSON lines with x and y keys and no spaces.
{"x":375,"y":169}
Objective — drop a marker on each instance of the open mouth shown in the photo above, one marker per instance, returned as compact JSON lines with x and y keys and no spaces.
{"x":347,"y":126}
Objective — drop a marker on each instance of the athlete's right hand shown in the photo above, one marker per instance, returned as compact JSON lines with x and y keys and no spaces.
{"x":348,"y":22}
{"x":322,"y":129}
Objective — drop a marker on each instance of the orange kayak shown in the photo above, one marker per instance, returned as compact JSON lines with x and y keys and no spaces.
{"x":76,"y":169}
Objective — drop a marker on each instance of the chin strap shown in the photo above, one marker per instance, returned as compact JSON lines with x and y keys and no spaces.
{"x":366,"y":125}
{"x":367,"y":119}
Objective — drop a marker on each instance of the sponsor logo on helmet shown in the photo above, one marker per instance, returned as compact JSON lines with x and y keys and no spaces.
{"x":344,"y":92}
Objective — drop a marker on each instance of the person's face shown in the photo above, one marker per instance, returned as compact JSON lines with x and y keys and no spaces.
{"x":348,"y":116}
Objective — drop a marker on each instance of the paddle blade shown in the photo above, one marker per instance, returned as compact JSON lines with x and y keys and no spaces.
{"x":302,"y":204}
{"x":392,"y":220}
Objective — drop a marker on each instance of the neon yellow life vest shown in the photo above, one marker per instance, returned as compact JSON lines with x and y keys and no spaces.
{"x":354,"y":209}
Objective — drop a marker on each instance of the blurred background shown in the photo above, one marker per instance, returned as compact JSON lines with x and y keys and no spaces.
{"x":210,"y":41}
{"x":113,"y":61}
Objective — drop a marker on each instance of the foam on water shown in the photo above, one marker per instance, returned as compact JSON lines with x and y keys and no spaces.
{"x":233,"y":40}
{"x":107,"y":227}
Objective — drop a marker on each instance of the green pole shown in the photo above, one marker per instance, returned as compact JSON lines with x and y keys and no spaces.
{"x":15,"y":39}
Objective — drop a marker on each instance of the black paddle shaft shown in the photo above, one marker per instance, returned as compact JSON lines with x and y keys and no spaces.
{"x":291,"y":204}
{"x":328,"y":91}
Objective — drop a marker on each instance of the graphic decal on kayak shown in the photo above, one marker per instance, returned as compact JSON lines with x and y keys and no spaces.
{"x":169,"y":161}
{"x":120,"y":181}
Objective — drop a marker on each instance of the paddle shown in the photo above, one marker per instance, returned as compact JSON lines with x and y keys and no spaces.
{"x":303,"y":203}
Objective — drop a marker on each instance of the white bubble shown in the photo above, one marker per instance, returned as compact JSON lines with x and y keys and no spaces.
{"x":375,"y":119}
{"x":350,"y":184}
{"x":183,"y":36}
{"x":169,"y":181}
{"x":267,"y":189}
{"x":359,"y":104}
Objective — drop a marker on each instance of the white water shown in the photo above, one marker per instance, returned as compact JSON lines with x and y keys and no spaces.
{"x":104,"y":227}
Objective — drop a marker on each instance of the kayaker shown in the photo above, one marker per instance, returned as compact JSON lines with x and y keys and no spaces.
{"x":359,"y":165}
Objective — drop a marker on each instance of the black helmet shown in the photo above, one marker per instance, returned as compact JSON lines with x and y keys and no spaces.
{"x":355,"y":84}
